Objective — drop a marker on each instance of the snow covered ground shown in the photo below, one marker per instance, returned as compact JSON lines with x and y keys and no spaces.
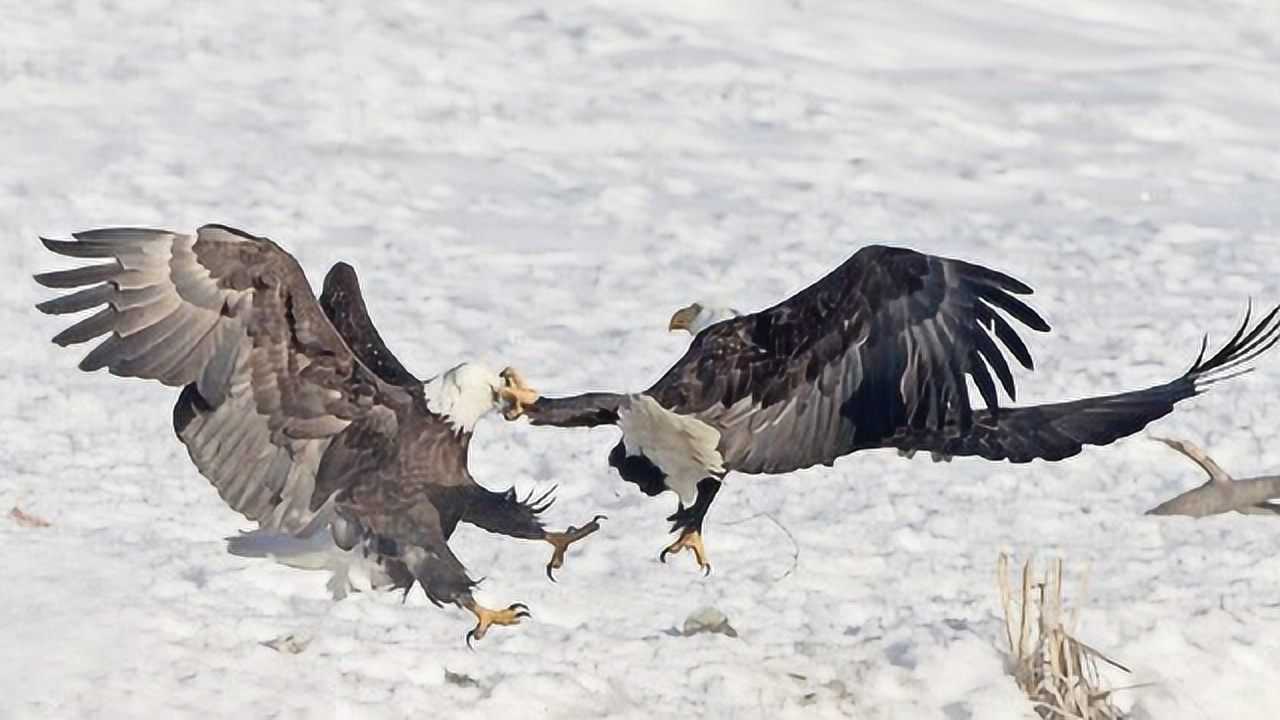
{"x":543,"y":186}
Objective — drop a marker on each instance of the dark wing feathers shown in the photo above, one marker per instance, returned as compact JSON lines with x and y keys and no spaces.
{"x":268,"y":382}
{"x":1243,"y":347}
{"x":882,"y":343}
{"x":1052,"y":432}
{"x":1061,"y":430}
{"x":343,"y":302}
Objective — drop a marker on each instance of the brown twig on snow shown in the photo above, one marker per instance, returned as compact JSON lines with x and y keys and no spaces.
{"x":26,"y":520}
{"x":1221,"y":493}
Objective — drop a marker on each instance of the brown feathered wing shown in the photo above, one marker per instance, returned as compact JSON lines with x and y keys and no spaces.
{"x":268,"y":382}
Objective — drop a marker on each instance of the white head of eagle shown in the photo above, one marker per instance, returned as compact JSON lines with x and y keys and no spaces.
{"x":699,"y":316}
{"x":464,"y":394}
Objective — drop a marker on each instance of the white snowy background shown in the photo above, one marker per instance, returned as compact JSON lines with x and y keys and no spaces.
{"x":542,"y":185}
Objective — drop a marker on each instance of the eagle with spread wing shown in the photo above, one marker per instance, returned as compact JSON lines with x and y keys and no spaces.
{"x":877,"y":354}
{"x":295,"y":409}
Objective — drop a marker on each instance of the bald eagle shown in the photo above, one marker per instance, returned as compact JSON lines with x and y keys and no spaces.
{"x":296,"y":411}
{"x":877,"y":354}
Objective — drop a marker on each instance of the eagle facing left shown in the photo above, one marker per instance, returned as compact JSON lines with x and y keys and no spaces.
{"x":295,"y":410}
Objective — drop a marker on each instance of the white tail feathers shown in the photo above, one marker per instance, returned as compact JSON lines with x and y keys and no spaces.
{"x":351,"y":569}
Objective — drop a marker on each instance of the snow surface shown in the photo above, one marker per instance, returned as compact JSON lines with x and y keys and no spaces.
{"x":543,"y":186}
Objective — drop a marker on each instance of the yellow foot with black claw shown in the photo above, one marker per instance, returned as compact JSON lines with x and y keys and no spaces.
{"x":562,"y":540}
{"x":516,"y":393}
{"x":689,"y":540}
{"x":486,"y":618}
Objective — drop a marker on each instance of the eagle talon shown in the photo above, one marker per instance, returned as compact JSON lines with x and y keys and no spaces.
{"x":516,"y":393}
{"x":486,"y":618}
{"x":562,"y":541}
{"x":689,"y":540}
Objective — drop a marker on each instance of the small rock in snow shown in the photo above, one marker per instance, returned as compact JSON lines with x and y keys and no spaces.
{"x":708,"y":620}
{"x":291,"y":644}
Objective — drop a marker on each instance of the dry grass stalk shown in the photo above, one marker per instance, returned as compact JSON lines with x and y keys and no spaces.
{"x":1057,"y":672}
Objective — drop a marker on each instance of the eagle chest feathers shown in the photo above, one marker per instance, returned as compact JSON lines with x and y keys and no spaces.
{"x":684,"y":448}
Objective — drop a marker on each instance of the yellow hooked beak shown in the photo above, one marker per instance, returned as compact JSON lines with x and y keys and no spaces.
{"x":684,"y":317}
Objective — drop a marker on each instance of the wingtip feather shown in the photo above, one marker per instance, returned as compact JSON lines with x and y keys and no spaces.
{"x":1244,"y":346}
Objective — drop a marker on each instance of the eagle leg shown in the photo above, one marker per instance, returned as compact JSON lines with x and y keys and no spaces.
{"x":486,"y":618}
{"x":516,"y":393}
{"x":444,"y":580}
{"x":562,"y":540}
{"x":688,"y":520}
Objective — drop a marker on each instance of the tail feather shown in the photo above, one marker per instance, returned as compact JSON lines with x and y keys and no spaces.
{"x":314,"y":552}
{"x":351,"y":569}
{"x":1061,"y":430}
